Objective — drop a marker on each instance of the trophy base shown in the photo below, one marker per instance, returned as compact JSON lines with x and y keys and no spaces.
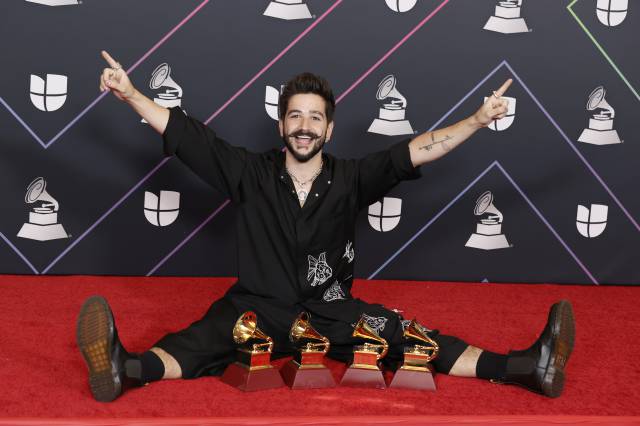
{"x":599,"y":137}
{"x":409,"y":378}
{"x":390,"y":128}
{"x":42,"y":232}
{"x":506,"y":25}
{"x":487,"y":242}
{"x":363,"y":378}
{"x":248,"y":380}
{"x":298,"y":376}
{"x":287,"y":11}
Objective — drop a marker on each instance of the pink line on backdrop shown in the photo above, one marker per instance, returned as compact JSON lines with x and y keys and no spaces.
{"x":393,"y":49}
{"x":345,"y":93}
{"x":273,"y":61}
{"x":169,"y":34}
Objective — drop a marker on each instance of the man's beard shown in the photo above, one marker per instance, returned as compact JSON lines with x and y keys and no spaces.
{"x":317,"y":145}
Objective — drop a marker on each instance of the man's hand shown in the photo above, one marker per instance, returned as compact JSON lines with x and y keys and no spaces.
{"x":494,"y":108}
{"x":115,"y":79}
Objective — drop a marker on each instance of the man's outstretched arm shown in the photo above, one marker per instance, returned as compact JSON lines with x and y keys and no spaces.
{"x":432,"y":145}
{"x":115,"y":80}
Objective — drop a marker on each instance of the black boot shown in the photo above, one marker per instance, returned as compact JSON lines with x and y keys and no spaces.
{"x":106,"y":358}
{"x":541,"y":367}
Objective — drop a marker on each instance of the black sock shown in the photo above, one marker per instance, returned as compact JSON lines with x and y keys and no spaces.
{"x":147,"y":367}
{"x":491,"y":366}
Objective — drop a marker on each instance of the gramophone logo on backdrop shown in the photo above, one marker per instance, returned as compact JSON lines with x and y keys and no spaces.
{"x":172,"y":94}
{"x":43,"y":218}
{"x":592,"y":222}
{"x":506,"y":121}
{"x":385,"y":215}
{"x":50,"y":94}
{"x":401,"y":5}
{"x":288,"y":9}
{"x":488,"y":235}
{"x":163,"y":210}
{"x":391,"y":116}
{"x":55,"y":2}
{"x":600,"y":130}
{"x":271,"y":97}
{"x":612,"y":12}
{"x":507,"y":19}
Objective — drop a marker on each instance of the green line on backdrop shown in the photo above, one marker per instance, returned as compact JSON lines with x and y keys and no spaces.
{"x":601,"y":49}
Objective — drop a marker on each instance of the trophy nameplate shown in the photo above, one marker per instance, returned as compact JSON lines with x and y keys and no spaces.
{"x":307,"y":370}
{"x":364,"y":371}
{"x":252,"y":370}
{"x":416,"y":371}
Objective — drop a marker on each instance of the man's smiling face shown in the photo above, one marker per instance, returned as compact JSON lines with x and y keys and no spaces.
{"x":304,"y":128}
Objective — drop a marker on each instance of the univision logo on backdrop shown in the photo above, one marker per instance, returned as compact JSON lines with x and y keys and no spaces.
{"x":50,"y":94}
{"x":401,"y":5}
{"x":612,"y":12}
{"x":384,"y":215}
{"x":162,"y":210}
{"x":591,"y":222}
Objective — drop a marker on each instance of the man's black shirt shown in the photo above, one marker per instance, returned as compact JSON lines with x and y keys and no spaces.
{"x":290,"y":257}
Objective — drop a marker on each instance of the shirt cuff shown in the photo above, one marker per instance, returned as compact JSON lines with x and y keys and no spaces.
{"x":401,"y":159}
{"x":174,"y":131}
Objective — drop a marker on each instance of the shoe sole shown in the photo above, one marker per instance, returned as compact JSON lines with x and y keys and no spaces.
{"x":563,"y":332}
{"x":95,"y":335}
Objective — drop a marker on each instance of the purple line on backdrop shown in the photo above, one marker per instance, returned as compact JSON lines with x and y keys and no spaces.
{"x":393,"y":49}
{"x":546,"y":222}
{"x":107,"y":213}
{"x":102,"y":95}
{"x":578,"y":153}
{"x":555,"y":124}
{"x":21,"y":121}
{"x":195,"y":231}
{"x":155,"y":169}
{"x":353,"y":86}
{"x":433,"y":219}
{"x":464,"y":191}
{"x":273,"y":61}
{"x":19,"y":253}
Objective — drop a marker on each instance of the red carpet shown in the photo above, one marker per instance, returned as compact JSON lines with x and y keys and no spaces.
{"x":44,"y":377}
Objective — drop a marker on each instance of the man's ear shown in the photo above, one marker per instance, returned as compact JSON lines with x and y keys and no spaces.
{"x":281,"y":127}
{"x":329,"y":131}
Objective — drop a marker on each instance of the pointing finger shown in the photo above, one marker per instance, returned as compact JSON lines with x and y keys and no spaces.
{"x":503,"y":88}
{"x":112,"y":62}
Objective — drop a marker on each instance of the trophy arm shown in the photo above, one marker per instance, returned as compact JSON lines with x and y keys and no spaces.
{"x":261,"y":346}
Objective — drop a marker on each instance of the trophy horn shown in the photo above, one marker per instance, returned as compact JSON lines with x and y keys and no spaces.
{"x":246,"y":330}
{"x":415,"y":331}
{"x":303,"y":334}
{"x":364,"y":331}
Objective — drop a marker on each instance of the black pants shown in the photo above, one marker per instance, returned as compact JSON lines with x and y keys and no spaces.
{"x":206,"y":347}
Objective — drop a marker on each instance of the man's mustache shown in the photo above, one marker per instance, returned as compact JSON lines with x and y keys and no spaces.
{"x":299,"y":133}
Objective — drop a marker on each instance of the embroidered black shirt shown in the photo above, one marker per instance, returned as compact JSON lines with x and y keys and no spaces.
{"x":288,"y":255}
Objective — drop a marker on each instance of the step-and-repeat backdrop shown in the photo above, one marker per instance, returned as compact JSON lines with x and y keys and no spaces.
{"x":547,"y":194}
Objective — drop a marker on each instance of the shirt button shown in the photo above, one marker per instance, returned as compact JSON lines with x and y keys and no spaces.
{"x":329,"y":182}
{"x":316,"y":194}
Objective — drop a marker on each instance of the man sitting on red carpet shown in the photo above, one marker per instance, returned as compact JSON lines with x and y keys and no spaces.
{"x":295,"y":234}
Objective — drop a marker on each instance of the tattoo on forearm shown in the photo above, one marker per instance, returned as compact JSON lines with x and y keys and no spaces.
{"x":434,"y":142}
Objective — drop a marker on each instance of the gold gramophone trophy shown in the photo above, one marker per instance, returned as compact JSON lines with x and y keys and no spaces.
{"x":416,"y":372}
{"x":252,"y":369}
{"x":364,"y":370}
{"x":307,"y":370}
